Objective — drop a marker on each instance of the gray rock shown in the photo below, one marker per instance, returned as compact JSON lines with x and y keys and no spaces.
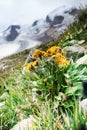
{"x":73,"y":11}
{"x":75,"y":51}
{"x":82,"y":60}
{"x":3,"y":96}
{"x":29,"y":58}
{"x":83,"y":105}
{"x":58,"y":19}
{"x":2,"y":104}
{"x":35,"y":23}
{"x":81,"y":42}
{"x":25,"y":124}
{"x":48,"y":20}
{"x":11,"y":33}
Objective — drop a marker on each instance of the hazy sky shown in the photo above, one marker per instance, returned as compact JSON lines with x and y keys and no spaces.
{"x":26,"y":11}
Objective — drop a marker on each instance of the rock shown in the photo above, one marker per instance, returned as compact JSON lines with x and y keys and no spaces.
{"x":74,"y":52}
{"x":83,"y":104}
{"x":52,"y":33}
{"x":26,"y":124}
{"x":75,"y":48}
{"x":11,"y":33}
{"x":82,"y":60}
{"x":29,"y":58}
{"x":73,"y":11}
{"x":81,"y":42}
{"x":58,"y":20}
{"x":2,"y":104}
{"x":48,"y":20}
{"x":3,"y":96}
{"x":47,"y":37}
{"x":35,"y":23}
{"x":3,"y":67}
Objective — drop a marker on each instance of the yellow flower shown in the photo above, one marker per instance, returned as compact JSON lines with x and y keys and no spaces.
{"x":30,"y":65}
{"x":56,"y":55}
{"x":62,"y":61}
{"x":38,"y":53}
{"x":52,"y":50}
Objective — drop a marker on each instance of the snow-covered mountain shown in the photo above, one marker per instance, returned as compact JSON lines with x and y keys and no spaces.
{"x":54,"y":24}
{"x":17,"y":38}
{"x":11,"y":33}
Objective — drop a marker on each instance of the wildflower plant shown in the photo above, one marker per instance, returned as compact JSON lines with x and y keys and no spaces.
{"x":51,"y":77}
{"x":54,"y":52}
{"x":47,"y":76}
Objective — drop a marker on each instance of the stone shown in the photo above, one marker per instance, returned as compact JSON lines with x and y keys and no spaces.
{"x":83,"y":105}
{"x":35,"y":23}
{"x":57,"y":20}
{"x":48,"y":20}
{"x":2,"y":104}
{"x":11,"y":33}
{"x":26,"y":124}
{"x":73,"y":11}
{"x":82,"y":60}
{"x":29,"y":58}
{"x":3,"y":95}
{"x":74,"y":52}
{"x":81,"y":42}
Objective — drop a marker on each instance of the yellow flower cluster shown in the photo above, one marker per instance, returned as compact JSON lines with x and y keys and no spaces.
{"x":62,"y":61}
{"x":54,"y":52}
{"x":30,"y":65}
{"x":53,"y":49}
{"x":38,"y":53}
{"x":57,"y":55}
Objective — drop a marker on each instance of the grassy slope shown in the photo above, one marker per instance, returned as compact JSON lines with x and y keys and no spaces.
{"x":15,"y":85}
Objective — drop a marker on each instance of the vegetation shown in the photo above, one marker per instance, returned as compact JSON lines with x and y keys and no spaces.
{"x":48,"y":87}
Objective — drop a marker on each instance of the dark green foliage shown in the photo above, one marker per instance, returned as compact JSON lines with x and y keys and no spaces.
{"x":51,"y":79}
{"x":82,"y":14}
